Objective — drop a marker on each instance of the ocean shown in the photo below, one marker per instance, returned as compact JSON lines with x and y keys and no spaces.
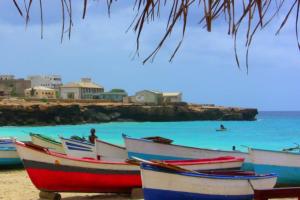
{"x":272,"y":130}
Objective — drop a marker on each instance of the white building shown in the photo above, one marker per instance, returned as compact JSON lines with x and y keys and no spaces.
{"x":49,"y":81}
{"x":172,"y":97}
{"x":85,"y":89}
{"x":6,"y":77}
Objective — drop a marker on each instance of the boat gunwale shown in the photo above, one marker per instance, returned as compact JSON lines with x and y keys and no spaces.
{"x":275,"y":151}
{"x":41,"y":137}
{"x":64,"y":156}
{"x":114,"y":145}
{"x":156,"y":168}
{"x":176,"y":145}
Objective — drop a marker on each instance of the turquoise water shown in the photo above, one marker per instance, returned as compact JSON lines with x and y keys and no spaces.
{"x":272,"y":130}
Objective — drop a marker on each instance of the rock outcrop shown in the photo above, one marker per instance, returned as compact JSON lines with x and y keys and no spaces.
{"x":42,"y":113}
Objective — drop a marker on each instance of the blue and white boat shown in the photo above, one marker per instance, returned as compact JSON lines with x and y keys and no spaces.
{"x":160,"y":183}
{"x":285,"y":164}
{"x":8,"y":153}
{"x":79,"y":149}
{"x":101,"y":150}
{"x":150,"y":150}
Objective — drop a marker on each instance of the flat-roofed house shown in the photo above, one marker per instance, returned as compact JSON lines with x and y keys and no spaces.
{"x":10,"y":86}
{"x":40,"y":92}
{"x":172,"y":97}
{"x":115,"y":95}
{"x":85,"y":89}
{"x":147,"y":97}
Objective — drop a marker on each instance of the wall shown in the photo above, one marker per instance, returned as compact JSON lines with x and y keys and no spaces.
{"x":64,"y":93}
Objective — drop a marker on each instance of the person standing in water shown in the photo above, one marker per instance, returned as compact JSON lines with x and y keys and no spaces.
{"x":93,"y":136}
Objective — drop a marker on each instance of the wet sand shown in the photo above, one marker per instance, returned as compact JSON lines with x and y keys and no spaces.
{"x":16,"y":185}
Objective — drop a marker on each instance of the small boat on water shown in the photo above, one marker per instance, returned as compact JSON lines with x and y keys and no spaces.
{"x":44,"y":141}
{"x":152,"y":150}
{"x":285,"y":164}
{"x":160,"y":183}
{"x":8,"y":153}
{"x":54,"y":172}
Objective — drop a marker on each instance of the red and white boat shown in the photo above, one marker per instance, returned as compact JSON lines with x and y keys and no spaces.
{"x":54,"y":172}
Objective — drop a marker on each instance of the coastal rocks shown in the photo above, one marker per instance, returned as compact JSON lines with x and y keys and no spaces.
{"x":55,"y":113}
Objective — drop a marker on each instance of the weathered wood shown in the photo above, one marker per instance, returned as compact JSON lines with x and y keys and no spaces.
{"x":277,"y":193}
{"x":49,"y":195}
{"x":137,"y":193}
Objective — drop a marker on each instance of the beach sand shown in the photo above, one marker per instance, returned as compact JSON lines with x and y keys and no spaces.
{"x":16,"y":185}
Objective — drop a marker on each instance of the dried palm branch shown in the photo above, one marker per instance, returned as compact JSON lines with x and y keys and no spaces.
{"x":253,"y":14}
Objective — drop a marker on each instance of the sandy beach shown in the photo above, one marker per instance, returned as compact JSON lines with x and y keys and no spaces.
{"x":16,"y":185}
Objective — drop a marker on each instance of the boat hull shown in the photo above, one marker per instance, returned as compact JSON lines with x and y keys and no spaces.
{"x":108,"y":151}
{"x":149,"y":150}
{"x":159,"y":184}
{"x":56,"y":178}
{"x":53,"y":172}
{"x":53,"y":146}
{"x":285,"y":164}
{"x":9,"y":157}
{"x":78,"y":149}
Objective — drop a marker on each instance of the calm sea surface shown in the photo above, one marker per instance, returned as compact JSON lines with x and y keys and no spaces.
{"x":272,"y":130}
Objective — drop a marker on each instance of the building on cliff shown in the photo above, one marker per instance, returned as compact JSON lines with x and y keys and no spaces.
{"x":172,"y":97}
{"x":115,"y":95}
{"x":85,"y":89}
{"x":154,"y":97}
{"x":49,"y":81}
{"x":147,"y":97}
{"x":10,"y":86}
{"x":40,"y":92}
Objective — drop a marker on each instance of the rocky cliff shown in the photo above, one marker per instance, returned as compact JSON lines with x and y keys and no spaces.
{"x":42,"y":113}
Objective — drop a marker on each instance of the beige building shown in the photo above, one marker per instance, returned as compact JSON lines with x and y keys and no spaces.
{"x":40,"y":92}
{"x":85,"y":89}
{"x":172,"y":97}
{"x":9,"y":86}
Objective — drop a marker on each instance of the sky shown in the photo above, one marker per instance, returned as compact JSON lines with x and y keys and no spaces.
{"x":204,"y":69}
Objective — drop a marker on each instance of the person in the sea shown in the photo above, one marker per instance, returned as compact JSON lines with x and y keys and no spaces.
{"x":93,"y":136}
{"x":222,"y":127}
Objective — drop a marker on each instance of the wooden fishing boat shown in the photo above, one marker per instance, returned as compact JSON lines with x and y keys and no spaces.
{"x":160,"y":183}
{"x":108,"y":151}
{"x":54,"y":172}
{"x":6,"y":142}
{"x":150,"y":150}
{"x":47,"y":142}
{"x":8,"y":153}
{"x":79,"y":149}
{"x":285,"y":164}
{"x":100,"y":150}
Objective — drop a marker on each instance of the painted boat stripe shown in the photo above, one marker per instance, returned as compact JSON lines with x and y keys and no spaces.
{"x":77,"y":145}
{"x":65,"y":168}
{"x":79,"y":149}
{"x":76,"y":141}
{"x":146,"y":166}
{"x":157,"y":194}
